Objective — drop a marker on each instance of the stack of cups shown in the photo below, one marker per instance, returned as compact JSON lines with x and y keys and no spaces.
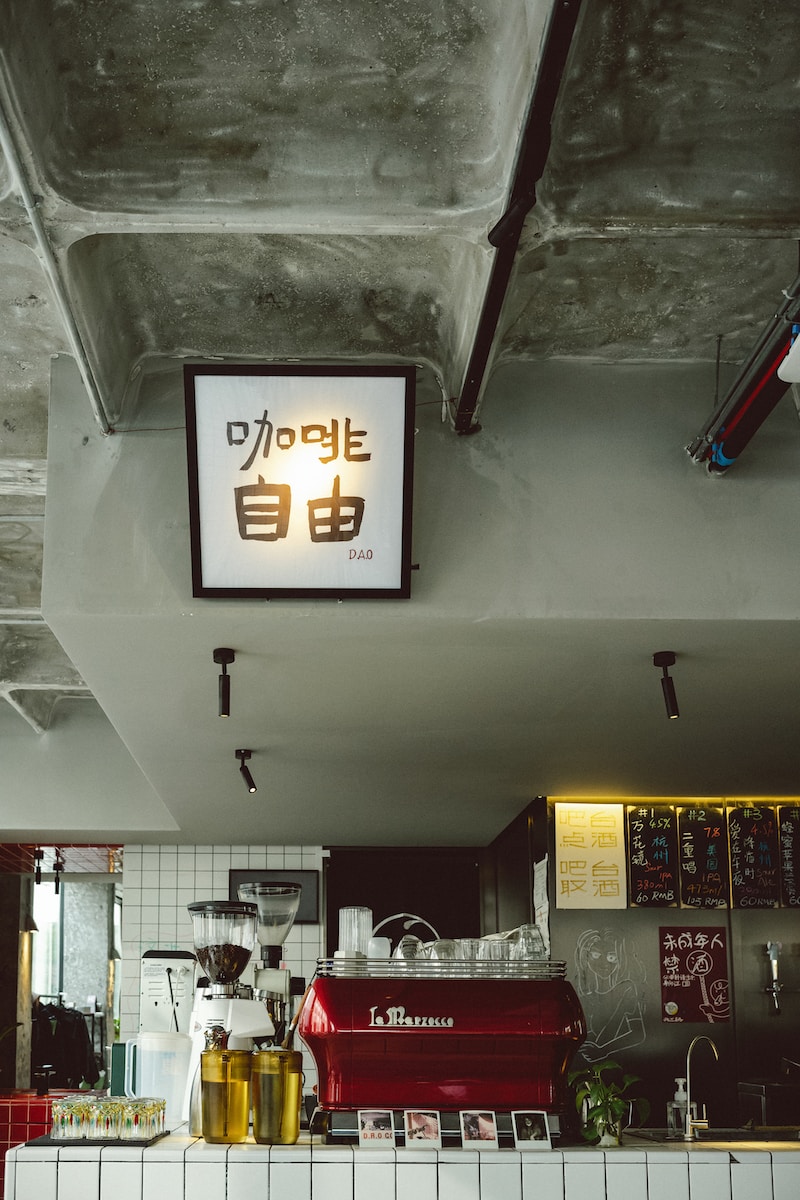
{"x":355,"y":931}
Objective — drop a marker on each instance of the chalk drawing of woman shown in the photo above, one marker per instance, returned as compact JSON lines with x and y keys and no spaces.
{"x":609,"y":982}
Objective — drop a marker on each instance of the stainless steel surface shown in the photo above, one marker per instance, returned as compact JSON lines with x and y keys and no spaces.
{"x":695,"y":1124}
{"x":425,"y":968}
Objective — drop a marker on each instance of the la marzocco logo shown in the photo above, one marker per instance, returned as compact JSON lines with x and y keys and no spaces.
{"x":397,"y":1015}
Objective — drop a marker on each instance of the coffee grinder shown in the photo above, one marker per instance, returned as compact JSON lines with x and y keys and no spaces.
{"x":277,"y":905}
{"x":224,"y":938}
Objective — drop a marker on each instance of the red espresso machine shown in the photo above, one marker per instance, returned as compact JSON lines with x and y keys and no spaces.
{"x":398,"y":1034}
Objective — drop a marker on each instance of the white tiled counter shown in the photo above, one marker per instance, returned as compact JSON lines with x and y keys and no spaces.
{"x":189,"y":1167}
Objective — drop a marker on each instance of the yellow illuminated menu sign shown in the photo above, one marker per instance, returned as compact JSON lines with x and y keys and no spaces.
{"x":590,"y":856}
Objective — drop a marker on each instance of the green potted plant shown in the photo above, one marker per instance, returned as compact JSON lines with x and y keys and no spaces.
{"x":604,"y":1101}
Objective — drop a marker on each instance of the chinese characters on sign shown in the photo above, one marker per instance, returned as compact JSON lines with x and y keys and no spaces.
{"x":753,"y":841}
{"x":694,"y":973}
{"x":590,"y":856}
{"x":789,"y":823}
{"x":300,"y":480}
{"x":703,"y":857}
{"x":706,"y":855}
{"x":652,"y":856}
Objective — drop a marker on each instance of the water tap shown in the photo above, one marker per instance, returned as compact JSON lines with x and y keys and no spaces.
{"x":692,"y":1124}
{"x":773,"y":950}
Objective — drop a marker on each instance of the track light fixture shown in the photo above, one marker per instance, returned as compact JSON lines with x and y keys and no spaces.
{"x":243,"y":756}
{"x":59,"y":866}
{"x":666,"y":659}
{"x":224,"y":656}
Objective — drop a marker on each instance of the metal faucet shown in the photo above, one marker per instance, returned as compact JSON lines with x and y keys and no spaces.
{"x":773,"y":950}
{"x":692,"y":1124}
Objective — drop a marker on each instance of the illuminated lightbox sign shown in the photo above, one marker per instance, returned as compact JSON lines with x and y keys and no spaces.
{"x":300,"y":480}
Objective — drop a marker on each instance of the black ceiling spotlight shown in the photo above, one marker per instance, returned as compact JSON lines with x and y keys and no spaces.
{"x":243,"y":756}
{"x":666,"y":659}
{"x":59,"y":866}
{"x":224,"y":656}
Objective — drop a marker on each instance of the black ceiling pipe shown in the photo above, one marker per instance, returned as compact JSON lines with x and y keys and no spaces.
{"x":754,"y":394}
{"x":505,"y":235}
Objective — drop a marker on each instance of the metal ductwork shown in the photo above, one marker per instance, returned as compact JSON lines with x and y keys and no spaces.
{"x":754,"y":394}
{"x":506,"y":233}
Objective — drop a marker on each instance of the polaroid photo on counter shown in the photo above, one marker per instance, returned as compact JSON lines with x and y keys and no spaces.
{"x":375,"y":1127}
{"x":423,"y":1128}
{"x":479,"y":1129}
{"x":531,"y":1131}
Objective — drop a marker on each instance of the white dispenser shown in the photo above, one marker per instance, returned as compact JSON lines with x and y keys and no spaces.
{"x":166,"y":991}
{"x":676,"y":1110}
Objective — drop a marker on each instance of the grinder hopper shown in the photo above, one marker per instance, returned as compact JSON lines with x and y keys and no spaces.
{"x":277,"y":905}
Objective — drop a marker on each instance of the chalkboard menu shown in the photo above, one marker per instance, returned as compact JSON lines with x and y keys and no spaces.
{"x":789,"y":832}
{"x":754,"y":858}
{"x":703,"y":857}
{"x":652,"y":856}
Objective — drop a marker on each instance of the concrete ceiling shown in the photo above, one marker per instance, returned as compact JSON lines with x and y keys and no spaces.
{"x":316,"y":180}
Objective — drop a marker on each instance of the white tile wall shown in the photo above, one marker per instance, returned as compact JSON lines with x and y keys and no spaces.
{"x":77,"y":1178}
{"x":626,"y":1176}
{"x":205,"y":1171}
{"x":459,"y":1174}
{"x":332,"y":1173}
{"x":157,"y":884}
{"x":416,"y":1176}
{"x":290,"y":1173}
{"x":582,"y":1179}
{"x":248,"y":1168}
{"x":187,"y":1168}
{"x":32,"y":1179}
{"x":121,"y":1177}
{"x":500,"y":1177}
{"x":786,"y":1175}
{"x":710,"y":1179}
{"x":542,"y":1176}
{"x":752,"y":1177}
{"x":667,"y":1175}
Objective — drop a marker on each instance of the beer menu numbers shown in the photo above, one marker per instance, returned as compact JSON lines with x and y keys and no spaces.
{"x":703,"y":857}
{"x":753,"y":840}
{"x":652,"y":856}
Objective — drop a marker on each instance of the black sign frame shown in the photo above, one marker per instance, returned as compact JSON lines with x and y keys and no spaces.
{"x":393,"y":567}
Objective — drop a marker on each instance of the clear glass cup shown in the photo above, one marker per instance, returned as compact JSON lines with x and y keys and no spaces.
{"x":443,"y":953}
{"x":409,"y":947}
{"x":469,"y":948}
{"x":496,"y":951}
{"x":142,"y":1118}
{"x":529,"y":943}
{"x":355,"y":929}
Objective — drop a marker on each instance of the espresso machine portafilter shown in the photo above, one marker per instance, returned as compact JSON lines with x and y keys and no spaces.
{"x":277,"y":905}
